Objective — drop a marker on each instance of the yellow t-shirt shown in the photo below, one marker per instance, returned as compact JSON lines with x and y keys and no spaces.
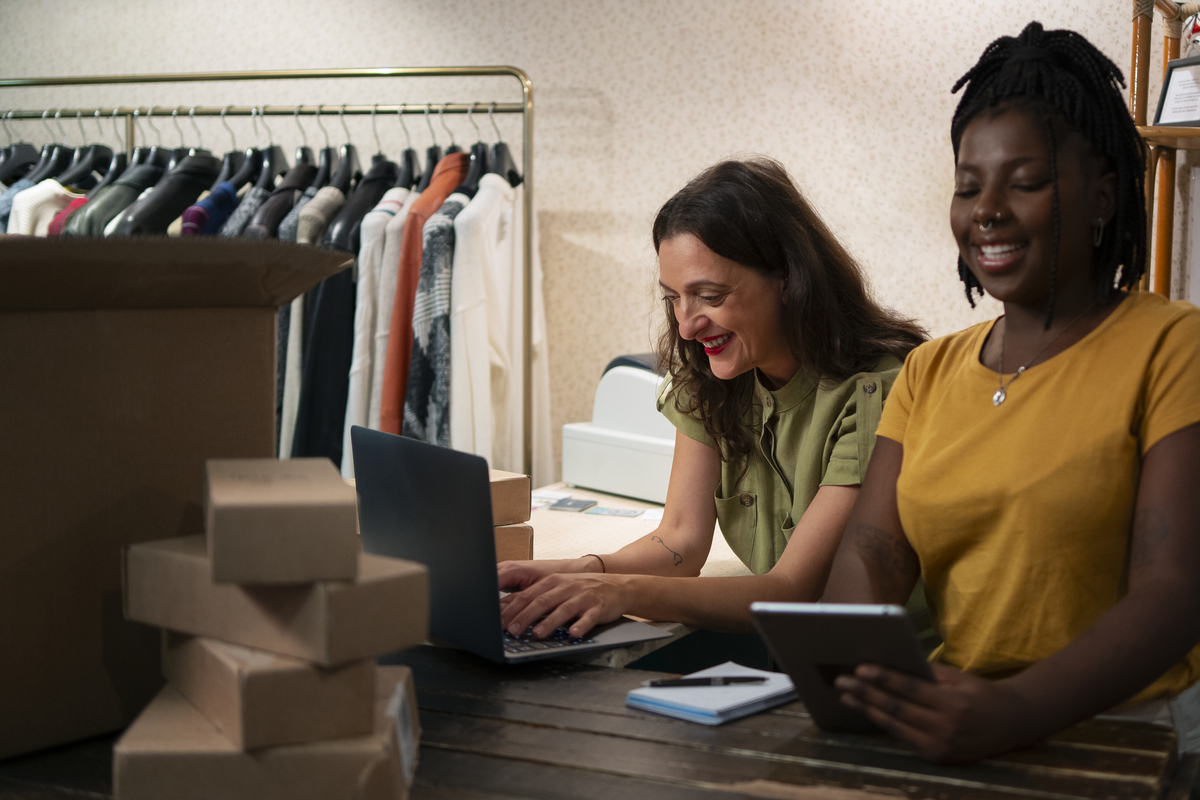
{"x":1021,"y":513}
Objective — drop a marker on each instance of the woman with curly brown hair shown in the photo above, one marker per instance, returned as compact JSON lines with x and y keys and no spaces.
{"x":779,"y":361}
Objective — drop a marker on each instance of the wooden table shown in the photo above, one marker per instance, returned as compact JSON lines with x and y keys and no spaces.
{"x":558,"y":730}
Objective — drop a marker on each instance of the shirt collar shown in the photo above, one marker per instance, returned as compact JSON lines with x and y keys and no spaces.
{"x":787,"y":396}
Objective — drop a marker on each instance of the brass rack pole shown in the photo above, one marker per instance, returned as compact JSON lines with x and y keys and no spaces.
{"x":279,"y":111}
{"x":525,"y":108}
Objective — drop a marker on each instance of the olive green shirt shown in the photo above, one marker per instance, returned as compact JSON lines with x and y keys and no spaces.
{"x":807,"y":435}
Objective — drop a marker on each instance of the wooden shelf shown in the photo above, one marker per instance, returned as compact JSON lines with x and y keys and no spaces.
{"x":1167,"y":136}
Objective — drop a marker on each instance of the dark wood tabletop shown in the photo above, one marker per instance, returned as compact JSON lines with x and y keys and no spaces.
{"x":559,"y":730}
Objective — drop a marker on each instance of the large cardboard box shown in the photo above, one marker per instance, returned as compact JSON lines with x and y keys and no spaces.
{"x":257,"y":699}
{"x":172,"y":751}
{"x":124,"y":365}
{"x":273,"y":521}
{"x":514,"y":542}
{"x":169,"y":584}
{"x":510,"y":497}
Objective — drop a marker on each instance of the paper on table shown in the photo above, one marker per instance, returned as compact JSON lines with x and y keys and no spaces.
{"x":653,"y":515}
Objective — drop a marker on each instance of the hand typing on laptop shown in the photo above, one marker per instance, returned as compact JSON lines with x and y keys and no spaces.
{"x":576,"y":601}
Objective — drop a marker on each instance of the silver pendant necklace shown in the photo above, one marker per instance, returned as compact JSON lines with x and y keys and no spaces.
{"x":1001,"y":394}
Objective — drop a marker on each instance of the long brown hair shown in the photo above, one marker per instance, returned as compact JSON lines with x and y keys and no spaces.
{"x":751,"y":212}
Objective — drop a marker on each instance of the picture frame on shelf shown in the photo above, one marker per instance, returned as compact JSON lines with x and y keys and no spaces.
{"x":1179,"y":99}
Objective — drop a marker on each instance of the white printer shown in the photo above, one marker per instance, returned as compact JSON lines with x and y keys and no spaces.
{"x":627,"y":447}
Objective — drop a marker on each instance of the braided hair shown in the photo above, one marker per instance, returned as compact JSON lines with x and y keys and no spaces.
{"x":1061,"y":78}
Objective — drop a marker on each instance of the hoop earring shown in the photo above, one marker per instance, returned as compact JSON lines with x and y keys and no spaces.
{"x":1099,"y":235}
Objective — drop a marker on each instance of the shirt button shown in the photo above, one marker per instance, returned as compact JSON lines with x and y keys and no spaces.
{"x":869,"y":387}
{"x":769,"y":402}
{"x":747,"y":500}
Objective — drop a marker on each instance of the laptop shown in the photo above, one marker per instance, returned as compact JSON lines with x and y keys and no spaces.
{"x":433,"y":505}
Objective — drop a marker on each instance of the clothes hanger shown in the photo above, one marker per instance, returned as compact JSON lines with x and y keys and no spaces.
{"x":118,"y":164}
{"x":502,"y":162}
{"x":140,"y":153}
{"x":453,"y":148}
{"x":93,"y":158}
{"x":327,"y":158}
{"x":55,"y":157}
{"x":158,"y":154}
{"x":348,"y":167}
{"x":379,"y":156}
{"x":274,"y":161}
{"x":304,"y":153}
{"x":252,"y":163}
{"x":409,"y":168}
{"x":198,"y":150}
{"x":479,"y":158}
{"x":21,"y":158}
{"x":232,"y":161}
{"x":433,"y":154}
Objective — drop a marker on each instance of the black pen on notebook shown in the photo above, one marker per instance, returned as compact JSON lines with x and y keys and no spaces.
{"x":728,"y":680}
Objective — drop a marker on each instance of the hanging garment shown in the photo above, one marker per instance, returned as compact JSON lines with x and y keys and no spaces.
{"x":314,"y":217}
{"x":329,"y":341}
{"x":177,"y":190}
{"x":35,"y":208}
{"x":290,"y":224}
{"x":265,"y":222}
{"x":427,"y":404}
{"x":449,"y":173}
{"x":208,"y":214}
{"x":176,"y":226}
{"x":317,"y":214}
{"x":60,"y":219}
{"x":384,"y":299}
{"x":6,"y":199}
{"x":242,"y":215}
{"x":110,"y":201}
{"x":370,"y":261}
{"x":479,"y":339}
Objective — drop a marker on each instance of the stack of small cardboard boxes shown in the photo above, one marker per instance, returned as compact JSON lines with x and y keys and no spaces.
{"x":510,"y":510}
{"x":272,"y":622}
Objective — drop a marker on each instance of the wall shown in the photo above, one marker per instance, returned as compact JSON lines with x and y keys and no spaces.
{"x":632,"y":99}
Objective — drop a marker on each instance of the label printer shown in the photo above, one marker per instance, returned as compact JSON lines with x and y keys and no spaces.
{"x":627,"y":447}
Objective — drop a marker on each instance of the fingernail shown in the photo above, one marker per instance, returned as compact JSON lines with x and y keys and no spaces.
{"x":869,"y":671}
{"x":845,"y":682}
{"x":514,"y":629}
{"x":851,"y":700}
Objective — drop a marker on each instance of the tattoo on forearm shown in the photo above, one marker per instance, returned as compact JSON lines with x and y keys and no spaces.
{"x":891,"y":562}
{"x":678,"y":558}
{"x":1150,"y":530}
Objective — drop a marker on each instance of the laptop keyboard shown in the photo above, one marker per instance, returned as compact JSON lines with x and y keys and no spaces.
{"x":527,"y":642}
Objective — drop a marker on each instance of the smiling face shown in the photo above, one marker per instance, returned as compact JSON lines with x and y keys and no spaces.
{"x":1002,"y":214}
{"x":734,"y":312}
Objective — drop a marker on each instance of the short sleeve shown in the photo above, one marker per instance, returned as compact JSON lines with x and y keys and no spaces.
{"x":853,"y":434}
{"x":894,"y":420}
{"x":1172,"y":393}
{"x":685,"y":423}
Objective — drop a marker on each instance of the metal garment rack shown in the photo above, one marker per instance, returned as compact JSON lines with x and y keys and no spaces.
{"x":524,"y":108}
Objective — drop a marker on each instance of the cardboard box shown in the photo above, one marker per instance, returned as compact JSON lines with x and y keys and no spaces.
{"x":510,"y":497}
{"x":271,"y":521}
{"x":169,"y":584}
{"x":126,"y":364}
{"x":257,"y":699}
{"x":172,"y":751}
{"x":514,"y":542}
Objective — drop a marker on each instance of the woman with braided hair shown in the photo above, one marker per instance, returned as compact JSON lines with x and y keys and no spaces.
{"x":1040,"y":472}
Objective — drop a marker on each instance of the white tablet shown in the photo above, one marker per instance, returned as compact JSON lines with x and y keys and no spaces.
{"x":814,"y":643}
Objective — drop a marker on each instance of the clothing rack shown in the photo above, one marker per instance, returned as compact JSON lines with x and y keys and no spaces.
{"x":524,"y":108}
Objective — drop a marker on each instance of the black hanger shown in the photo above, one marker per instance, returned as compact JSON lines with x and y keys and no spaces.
{"x":502,"y":162}
{"x":53,"y":163}
{"x":348,"y":166}
{"x":304,"y":153}
{"x":453,"y":148}
{"x":432,"y":156}
{"x":326,"y":162}
{"x":230,"y":163}
{"x":116,"y":167}
{"x":252,"y":162}
{"x":477,"y":169}
{"x":93,"y":158}
{"x":274,"y":160}
{"x":19,"y":159}
{"x":410,"y":168}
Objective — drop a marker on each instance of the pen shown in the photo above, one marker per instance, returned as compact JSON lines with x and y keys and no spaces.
{"x":725,"y":681}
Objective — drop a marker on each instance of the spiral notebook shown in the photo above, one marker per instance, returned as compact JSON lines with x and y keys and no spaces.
{"x":712,"y":705}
